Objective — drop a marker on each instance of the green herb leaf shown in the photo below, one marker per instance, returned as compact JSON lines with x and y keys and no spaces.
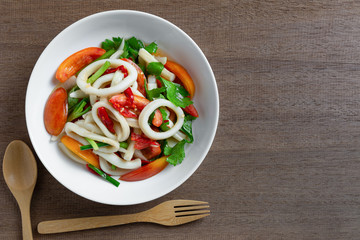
{"x":163,"y":114}
{"x":114,"y":44}
{"x":187,"y":127}
{"x":117,"y":42}
{"x":151,"y":48}
{"x":113,"y":167}
{"x":177,"y":153}
{"x":151,"y":117}
{"x":165,"y":148}
{"x":176,"y":93}
{"x":125,"y":54}
{"x":155,"y":68}
{"x":107,"y":45}
{"x":164,"y":126}
{"x":135,"y":43}
{"x":154,"y":93}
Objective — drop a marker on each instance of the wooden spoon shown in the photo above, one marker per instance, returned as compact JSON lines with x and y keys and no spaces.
{"x":20,"y":173}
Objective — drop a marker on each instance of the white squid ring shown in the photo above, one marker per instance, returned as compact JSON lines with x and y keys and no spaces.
{"x":149,"y":109}
{"x":123,"y":133}
{"x":86,"y":87}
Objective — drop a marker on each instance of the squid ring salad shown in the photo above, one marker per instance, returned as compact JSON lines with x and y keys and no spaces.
{"x":122,"y":110}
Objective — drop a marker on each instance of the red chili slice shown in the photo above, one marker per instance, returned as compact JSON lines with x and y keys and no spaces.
{"x":130,"y":96}
{"x":121,"y":68}
{"x":105,"y":119}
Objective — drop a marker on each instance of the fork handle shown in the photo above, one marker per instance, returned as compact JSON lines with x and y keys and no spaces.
{"x":75,"y":224}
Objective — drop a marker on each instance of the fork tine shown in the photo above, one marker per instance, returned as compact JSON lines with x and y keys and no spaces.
{"x":182,"y":220}
{"x":179,"y":214}
{"x":180,"y":209}
{"x":180,"y":202}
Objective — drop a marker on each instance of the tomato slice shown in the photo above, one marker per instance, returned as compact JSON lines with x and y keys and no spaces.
{"x":183,"y":76}
{"x":55,"y":112}
{"x":141,"y":141}
{"x":157,"y":120}
{"x":191,"y":110}
{"x":152,"y":151}
{"x":86,"y":155}
{"x":77,"y":61}
{"x":146,"y":171}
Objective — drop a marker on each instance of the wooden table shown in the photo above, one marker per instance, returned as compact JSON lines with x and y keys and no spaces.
{"x":285,"y":160}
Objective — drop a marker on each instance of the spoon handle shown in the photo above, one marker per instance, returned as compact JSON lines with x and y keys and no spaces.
{"x":26,"y":222}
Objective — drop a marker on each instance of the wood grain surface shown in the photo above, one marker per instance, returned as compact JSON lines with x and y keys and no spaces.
{"x":285,"y":160}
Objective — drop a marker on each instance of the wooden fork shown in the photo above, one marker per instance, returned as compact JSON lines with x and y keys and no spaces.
{"x":169,"y":213}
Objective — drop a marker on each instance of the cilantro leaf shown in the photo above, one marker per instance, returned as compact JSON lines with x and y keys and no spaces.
{"x":187,"y":127}
{"x":163,"y":114}
{"x":107,"y":45}
{"x":154,"y":93}
{"x":165,"y":148}
{"x":135,"y":43}
{"x":177,"y":153}
{"x":176,"y":93}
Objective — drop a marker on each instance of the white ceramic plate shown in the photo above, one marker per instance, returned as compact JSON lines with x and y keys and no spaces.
{"x":90,"y":32}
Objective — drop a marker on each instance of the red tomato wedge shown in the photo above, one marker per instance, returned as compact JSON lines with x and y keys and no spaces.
{"x":74,"y":146}
{"x":55,"y":113}
{"x":146,"y":171}
{"x":152,"y":151}
{"x":141,"y":77}
{"x":157,"y":120}
{"x":191,"y":110}
{"x":183,"y":76}
{"x":77,"y":61}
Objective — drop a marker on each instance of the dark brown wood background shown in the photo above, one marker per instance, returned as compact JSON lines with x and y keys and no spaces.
{"x":285,"y":160}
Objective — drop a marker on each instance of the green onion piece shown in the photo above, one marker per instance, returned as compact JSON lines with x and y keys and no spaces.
{"x":99,"y":72}
{"x":113,"y":167}
{"x":99,"y":144}
{"x":92,"y":143}
{"x":124,"y":145}
{"x":152,"y":47}
{"x":155,"y":68}
{"x":134,"y":53}
{"x":106,"y":55}
{"x":104,"y":175}
{"x":79,"y":110}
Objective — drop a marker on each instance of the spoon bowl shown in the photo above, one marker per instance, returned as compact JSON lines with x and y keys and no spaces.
{"x":20,"y":174}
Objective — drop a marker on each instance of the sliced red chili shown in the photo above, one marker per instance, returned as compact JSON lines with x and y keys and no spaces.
{"x":105,"y":119}
{"x":130,"y":96}
{"x":121,"y":68}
